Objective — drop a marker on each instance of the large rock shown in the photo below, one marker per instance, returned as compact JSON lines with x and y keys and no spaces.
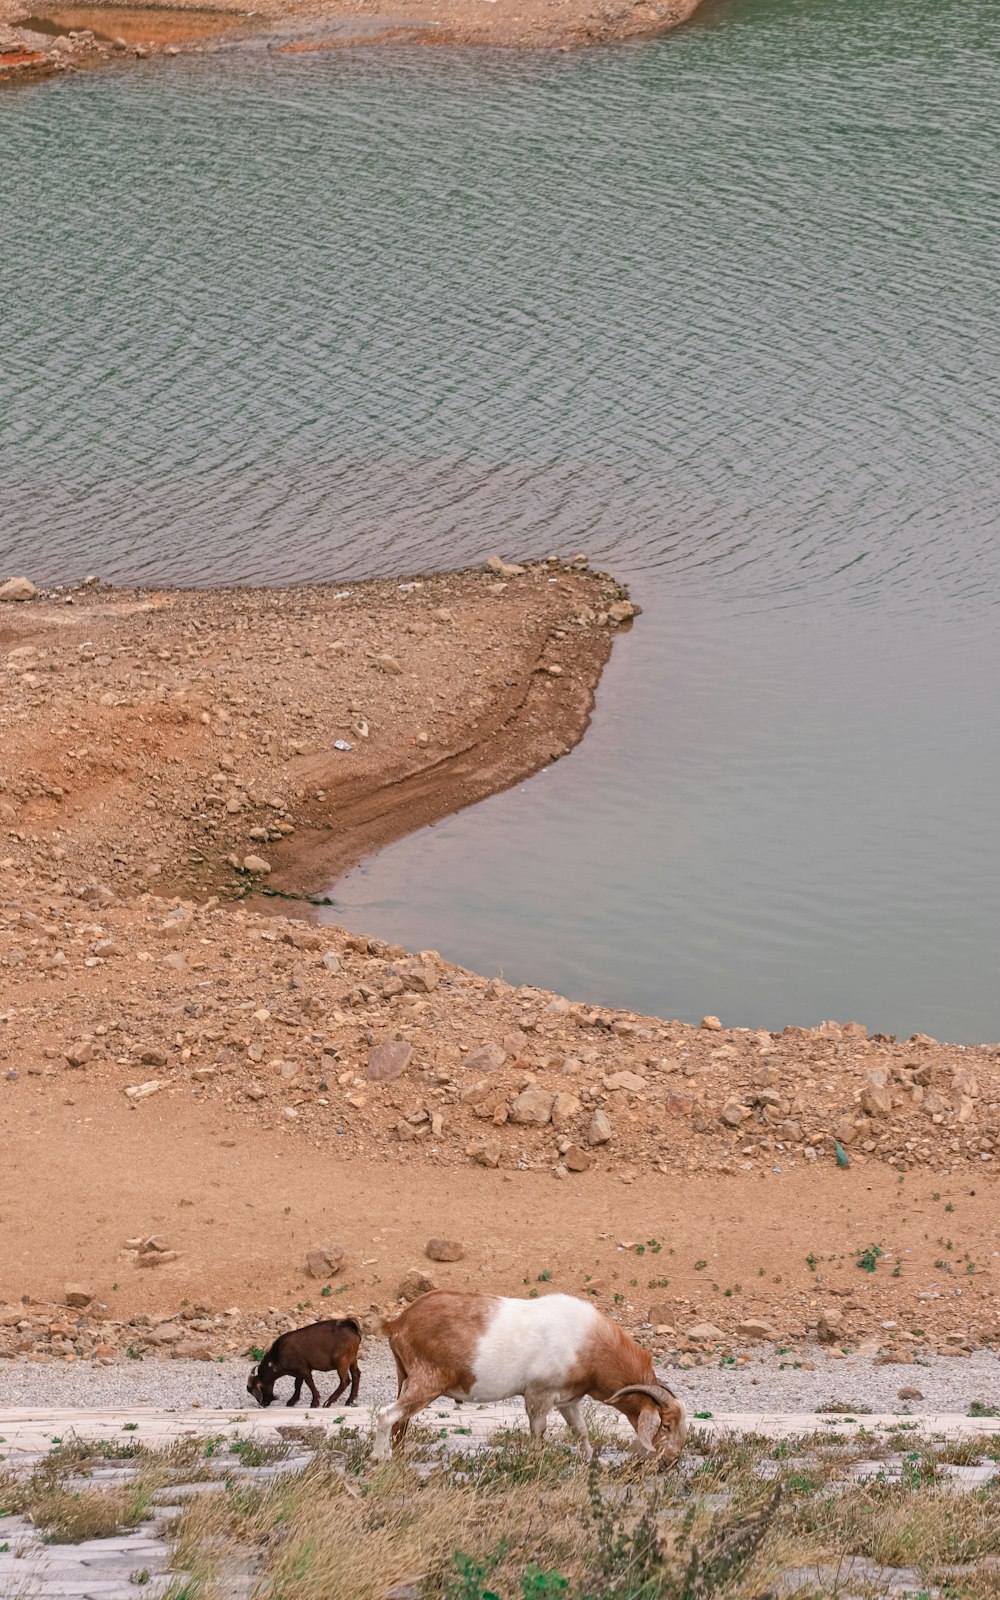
{"x":711,"y":1024}
{"x":756,"y":1330}
{"x":565,"y":1107}
{"x":325,"y":1260}
{"x":876,"y":1099}
{"x":679,"y":1104}
{"x":503,"y":569}
{"x":388,"y":1060}
{"x":732,"y":1114}
{"x":421,"y":977}
{"x":485,"y":1058}
{"x":533,"y":1106}
{"x":576,"y":1159}
{"x":444,"y":1250}
{"x":600,"y":1129}
{"x":75,"y":1294}
{"x":831,"y":1328}
{"x":629,"y":1081}
{"x":705,"y":1333}
{"x":17,"y":589}
{"x":256,"y":864}
{"x":414,"y":1285}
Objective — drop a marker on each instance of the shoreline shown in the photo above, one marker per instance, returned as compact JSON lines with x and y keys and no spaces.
{"x":338,"y":719}
{"x":248,"y":1086}
{"x":103,"y":34}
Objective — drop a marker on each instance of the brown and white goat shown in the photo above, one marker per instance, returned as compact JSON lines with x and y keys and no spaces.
{"x":553,"y":1351}
{"x":320,"y":1347}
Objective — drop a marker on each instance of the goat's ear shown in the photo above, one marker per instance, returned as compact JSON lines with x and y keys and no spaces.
{"x":646,"y":1425}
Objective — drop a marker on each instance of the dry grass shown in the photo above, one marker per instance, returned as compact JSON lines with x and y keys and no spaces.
{"x":513,"y":1522}
{"x":69,"y":1516}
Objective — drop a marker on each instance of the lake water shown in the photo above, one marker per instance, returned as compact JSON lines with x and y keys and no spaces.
{"x":718,"y":309}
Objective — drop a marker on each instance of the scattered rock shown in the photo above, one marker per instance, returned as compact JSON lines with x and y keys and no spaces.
{"x":488,"y":1153}
{"x":631,"y":1082}
{"x":503,"y":569}
{"x":444,"y":1250}
{"x":17,"y":589}
{"x":532,"y":1106}
{"x":831,"y":1327}
{"x":388,"y":1060}
{"x":142,"y":1091}
{"x":79,"y":1054}
{"x":908,"y":1392}
{"x":486,"y":1058}
{"x":600,"y":1129}
{"x":325,"y":1260}
{"x":414,"y":1285}
{"x":565,"y":1107}
{"x":756,"y":1330}
{"x":712,"y":1024}
{"x":577,"y":1159}
{"x":256,"y":864}
{"x":76,"y":1295}
{"x":876,"y":1099}
{"x":422,"y":978}
{"x":706,"y":1333}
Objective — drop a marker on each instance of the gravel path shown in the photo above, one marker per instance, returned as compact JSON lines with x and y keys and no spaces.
{"x":946,"y":1384}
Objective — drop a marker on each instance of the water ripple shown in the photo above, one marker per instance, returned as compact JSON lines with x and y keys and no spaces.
{"x":719,"y":309}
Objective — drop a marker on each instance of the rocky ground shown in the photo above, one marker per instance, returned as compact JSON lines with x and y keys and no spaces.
{"x":39,"y":42}
{"x":804,"y":1379}
{"x":196,"y":1092}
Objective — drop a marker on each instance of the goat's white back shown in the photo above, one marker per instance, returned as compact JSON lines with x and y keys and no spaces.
{"x":529,"y":1343}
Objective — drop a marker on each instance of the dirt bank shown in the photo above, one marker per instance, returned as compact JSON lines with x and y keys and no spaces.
{"x":174,"y":1062}
{"x":42,"y":40}
{"x":165,"y":738}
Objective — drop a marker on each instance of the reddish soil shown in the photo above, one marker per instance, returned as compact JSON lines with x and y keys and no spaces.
{"x":246,"y":1085}
{"x":89,"y":35}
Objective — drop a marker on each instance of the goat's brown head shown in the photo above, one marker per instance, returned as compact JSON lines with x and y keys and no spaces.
{"x":260,"y":1384}
{"x":657,"y":1416}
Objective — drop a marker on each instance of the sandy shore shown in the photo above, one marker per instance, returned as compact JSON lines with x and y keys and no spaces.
{"x":182,"y":1058}
{"x":70,"y":38}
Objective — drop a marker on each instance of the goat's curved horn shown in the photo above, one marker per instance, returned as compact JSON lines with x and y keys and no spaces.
{"x":656,"y":1391}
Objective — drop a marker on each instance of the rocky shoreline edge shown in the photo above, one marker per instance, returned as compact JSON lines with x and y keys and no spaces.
{"x":36,"y":45}
{"x":176,"y":1047}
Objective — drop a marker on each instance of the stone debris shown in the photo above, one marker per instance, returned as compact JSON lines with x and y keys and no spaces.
{"x":414,"y":1285}
{"x":444,"y":1250}
{"x":389,"y":1060}
{"x":17,"y":589}
{"x":326,"y":1260}
{"x":142,"y":1091}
